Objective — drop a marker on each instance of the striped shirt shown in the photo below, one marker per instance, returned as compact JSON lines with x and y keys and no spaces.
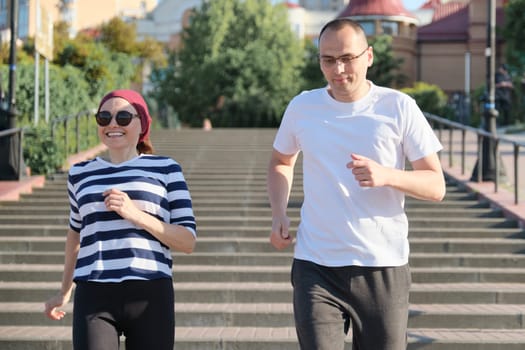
{"x":113,"y":249}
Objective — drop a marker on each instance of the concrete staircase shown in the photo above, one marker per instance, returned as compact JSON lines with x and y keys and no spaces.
{"x":233,"y":292}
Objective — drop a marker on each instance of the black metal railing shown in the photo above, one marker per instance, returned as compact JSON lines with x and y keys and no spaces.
{"x":73,"y":134}
{"x":481,"y":134}
{"x":79,"y":138}
{"x":11,"y":162}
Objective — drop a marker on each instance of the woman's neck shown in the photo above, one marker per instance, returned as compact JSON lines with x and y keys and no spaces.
{"x":120,"y":156}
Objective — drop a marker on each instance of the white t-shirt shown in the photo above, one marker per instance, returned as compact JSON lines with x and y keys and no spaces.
{"x":342,"y":223}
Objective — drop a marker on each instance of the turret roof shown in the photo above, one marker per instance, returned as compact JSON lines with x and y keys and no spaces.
{"x":375,"y":8}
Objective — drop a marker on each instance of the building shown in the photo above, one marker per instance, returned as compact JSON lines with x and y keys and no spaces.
{"x":451,"y":48}
{"x":324,"y":5}
{"x":442,"y":43}
{"x":166,"y":22}
{"x":80,"y":14}
{"x":391,"y":18}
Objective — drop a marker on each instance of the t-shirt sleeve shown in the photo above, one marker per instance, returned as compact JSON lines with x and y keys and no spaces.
{"x":179,"y":199}
{"x":75,"y":221}
{"x":419,"y":137}
{"x":285,"y":139}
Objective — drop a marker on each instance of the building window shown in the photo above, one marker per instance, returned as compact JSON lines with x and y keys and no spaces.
{"x":390,"y":28}
{"x":369,"y":27}
{"x":3,"y":14}
{"x":23,"y":19}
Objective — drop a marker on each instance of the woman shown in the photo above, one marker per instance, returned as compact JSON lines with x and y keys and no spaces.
{"x":127,"y":214}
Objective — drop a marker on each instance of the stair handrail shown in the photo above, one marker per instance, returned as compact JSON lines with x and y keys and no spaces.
{"x":481,"y":134}
{"x":9,"y":133}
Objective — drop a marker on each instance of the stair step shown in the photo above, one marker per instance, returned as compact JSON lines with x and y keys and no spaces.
{"x":249,"y":244}
{"x":275,"y":273}
{"x":467,"y":260}
{"x":263,"y":338}
{"x":281,"y":292}
{"x":482,"y":316}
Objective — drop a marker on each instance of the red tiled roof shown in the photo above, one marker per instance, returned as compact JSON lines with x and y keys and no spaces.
{"x":375,"y":8}
{"x":443,"y":10}
{"x":291,"y":5}
{"x":451,"y":27}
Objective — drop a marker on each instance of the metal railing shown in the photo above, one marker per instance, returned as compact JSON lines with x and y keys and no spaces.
{"x":481,"y":136}
{"x":60,"y":129}
{"x":6,"y":138}
{"x":65,"y":122}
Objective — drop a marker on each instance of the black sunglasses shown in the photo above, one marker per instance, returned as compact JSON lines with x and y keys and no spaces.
{"x":123,"y":118}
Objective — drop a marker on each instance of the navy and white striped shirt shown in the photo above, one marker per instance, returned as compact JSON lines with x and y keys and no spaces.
{"x":113,"y":249}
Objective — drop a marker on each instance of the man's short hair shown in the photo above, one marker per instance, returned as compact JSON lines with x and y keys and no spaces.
{"x":342,"y":22}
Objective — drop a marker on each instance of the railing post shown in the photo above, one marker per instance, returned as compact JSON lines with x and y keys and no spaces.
{"x":66,"y":143}
{"x":463,"y":150}
{"x":496,"y":165}
{"x":451,"y":147}
{"x":77,"y":132}
{"x":516,"y":173}
{"x":21,"y":164}
{"x":480,"y":158}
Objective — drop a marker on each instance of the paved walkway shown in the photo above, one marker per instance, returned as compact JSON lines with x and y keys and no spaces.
{"x":504,"y":198}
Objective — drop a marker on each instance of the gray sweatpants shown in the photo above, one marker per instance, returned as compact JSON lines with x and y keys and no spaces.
{"x":373,"y":300}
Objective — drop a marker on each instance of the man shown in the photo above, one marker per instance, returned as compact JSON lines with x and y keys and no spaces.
{"x":504,"y":89}
{"x":351,"y":256}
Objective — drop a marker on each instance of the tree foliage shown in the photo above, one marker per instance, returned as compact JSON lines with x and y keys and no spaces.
{"x":84,"y":69}
{"x":430,"y":98}
{"x":239,"y":65}
{"x":514,"y":34}
{"x":386,"y":68}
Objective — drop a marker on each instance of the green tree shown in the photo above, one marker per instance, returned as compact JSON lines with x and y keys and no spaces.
{"x":386,"y":68}
{"x":312,"y":76}
{"x":67,"y":88}
{"x":102,"y":68}
{"x":119,"y":36}
{"x":514,"y":34}
{"x":239,"y":65}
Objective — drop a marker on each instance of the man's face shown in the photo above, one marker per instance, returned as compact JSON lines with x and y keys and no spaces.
{"x":344,"y":59}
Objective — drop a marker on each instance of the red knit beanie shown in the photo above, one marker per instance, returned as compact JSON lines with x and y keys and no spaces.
{"x":137,"y":101}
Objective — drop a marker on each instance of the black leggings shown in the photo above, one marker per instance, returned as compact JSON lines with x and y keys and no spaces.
{"x":142,"y":311}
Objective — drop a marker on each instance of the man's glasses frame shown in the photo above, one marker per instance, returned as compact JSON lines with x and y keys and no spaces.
{"x":123,"y":118}
{"x":329,"y":61}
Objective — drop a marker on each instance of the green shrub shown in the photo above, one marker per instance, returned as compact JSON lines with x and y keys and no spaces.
{"x":41,"y":152}
{"x":431,"y":99}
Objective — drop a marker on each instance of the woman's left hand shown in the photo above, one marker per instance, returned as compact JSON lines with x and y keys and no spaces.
{"x":119,"y":202}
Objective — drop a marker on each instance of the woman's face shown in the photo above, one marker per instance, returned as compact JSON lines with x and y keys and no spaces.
{"x":115,"y":136}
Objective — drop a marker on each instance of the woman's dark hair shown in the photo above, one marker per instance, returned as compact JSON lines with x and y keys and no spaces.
{"x":145,"y":147}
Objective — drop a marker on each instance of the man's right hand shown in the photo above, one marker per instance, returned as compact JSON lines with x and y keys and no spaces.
{"x":280,"y":237}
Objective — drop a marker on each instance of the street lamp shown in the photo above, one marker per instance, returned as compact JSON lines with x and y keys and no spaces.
{"x":489,"y":157}
{"x":10,"y":157}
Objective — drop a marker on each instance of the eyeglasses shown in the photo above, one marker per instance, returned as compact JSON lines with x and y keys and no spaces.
{"x":123,"y":118}
{"x":329,"y":61}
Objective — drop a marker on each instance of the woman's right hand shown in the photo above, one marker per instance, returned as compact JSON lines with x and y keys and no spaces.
{"x":52,"y":305}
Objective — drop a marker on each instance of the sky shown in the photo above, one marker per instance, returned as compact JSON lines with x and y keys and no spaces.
{"x":413,"y":4}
